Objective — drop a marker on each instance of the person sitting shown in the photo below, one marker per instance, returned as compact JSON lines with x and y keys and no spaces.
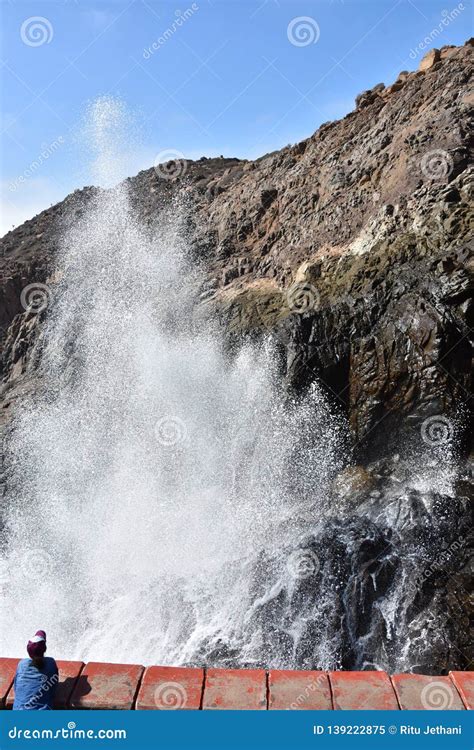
{"x":36,"y":678}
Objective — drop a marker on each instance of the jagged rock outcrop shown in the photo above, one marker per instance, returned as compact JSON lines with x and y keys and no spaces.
{"x":352,"y":248}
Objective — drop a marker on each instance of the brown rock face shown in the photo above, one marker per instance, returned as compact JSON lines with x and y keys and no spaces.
{"x":431,"y":57}
{"x":352,"y":248}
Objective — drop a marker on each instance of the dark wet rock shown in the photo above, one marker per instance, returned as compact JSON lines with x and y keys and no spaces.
{"x":386,"y":587}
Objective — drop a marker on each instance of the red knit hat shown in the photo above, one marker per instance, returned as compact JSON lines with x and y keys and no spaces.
{"x":36,"y":646}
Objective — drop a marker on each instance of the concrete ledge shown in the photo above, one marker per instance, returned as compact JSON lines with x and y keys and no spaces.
{"x":235,"y":689}
{"x":363,"y":691}
{"x":7,"y":674}
{"x":421,"y":692}
{"x":464,"y":682}
{"x":168,"y":688}
{"x":107,"y":686}
{"x":130,"y":686}
{"x":302,"y":690}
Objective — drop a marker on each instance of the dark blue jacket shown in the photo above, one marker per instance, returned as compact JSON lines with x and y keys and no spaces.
{"x":35,"y":687}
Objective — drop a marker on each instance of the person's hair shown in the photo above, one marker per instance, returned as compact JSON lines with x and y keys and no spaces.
{"x":38,"y":661}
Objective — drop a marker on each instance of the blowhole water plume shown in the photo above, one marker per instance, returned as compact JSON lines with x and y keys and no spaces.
{"x":108,"y":139}
{"x":169,"y":503}
{"x":151,"y":470}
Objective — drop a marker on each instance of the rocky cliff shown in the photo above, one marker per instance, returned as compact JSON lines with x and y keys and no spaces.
{"x":351,"y":248}
{"x":353,"y":251}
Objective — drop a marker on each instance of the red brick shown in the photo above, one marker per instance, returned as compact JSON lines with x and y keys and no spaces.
{"x":7,"y":674}
{"x":235,"y":689}
{"x":69,"y":672}
{"x":107,"y":686}
{"x":362,"y":690}
{"x":302,"y":690}
{"x":165,"y":688}
{"x":464,"y":682}
{"x":419,"y":691}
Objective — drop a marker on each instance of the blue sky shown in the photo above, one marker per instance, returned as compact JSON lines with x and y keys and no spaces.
{"x":238,"y":78}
